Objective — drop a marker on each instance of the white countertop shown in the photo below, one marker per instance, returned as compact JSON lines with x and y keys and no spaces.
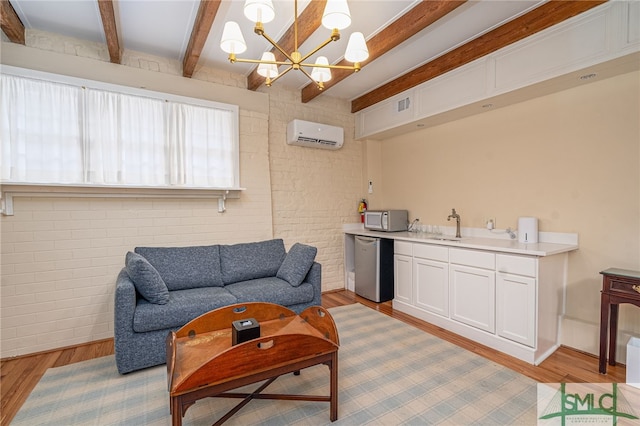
{"x":512,"y":246}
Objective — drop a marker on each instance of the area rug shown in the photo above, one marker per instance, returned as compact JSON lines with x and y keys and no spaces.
{"x":389,"y":373}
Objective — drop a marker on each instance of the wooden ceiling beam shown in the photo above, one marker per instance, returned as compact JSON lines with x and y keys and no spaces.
{"x":204,"y":20}
{"x":542,"y":17}
{"x":309,"y":21}
{"x":10,"y":23}
{"x":108,"y":17}
{"x":415,"y":20}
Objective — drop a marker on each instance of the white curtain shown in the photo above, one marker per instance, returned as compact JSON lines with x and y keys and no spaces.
{"x":126,"y":139}
{"x":61,"y":133}
{"x":41,"y":131}
{"x":202,"y":148}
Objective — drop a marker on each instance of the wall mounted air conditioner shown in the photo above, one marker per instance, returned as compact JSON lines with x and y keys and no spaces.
{"x":314,"y":135}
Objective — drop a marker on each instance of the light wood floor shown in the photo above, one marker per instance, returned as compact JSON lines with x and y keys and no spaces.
{"x":20,"y":375}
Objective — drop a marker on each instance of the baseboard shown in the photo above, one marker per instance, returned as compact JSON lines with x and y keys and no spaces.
{"x":584,"y":336}
{"x":64,"y":348}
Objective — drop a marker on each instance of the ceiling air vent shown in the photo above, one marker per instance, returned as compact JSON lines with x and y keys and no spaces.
{"x":314,"y":135}
{"x":403,"y":104}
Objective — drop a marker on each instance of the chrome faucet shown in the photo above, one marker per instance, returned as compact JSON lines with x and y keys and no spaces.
{"x":456,"y":216}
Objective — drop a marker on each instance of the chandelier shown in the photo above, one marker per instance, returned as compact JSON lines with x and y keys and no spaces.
{"x":336,"y":17}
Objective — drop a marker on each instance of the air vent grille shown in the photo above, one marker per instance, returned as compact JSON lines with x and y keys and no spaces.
{"x":403,"y":104}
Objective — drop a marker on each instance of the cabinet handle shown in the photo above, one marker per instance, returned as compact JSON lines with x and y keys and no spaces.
{"x":636,"y":288}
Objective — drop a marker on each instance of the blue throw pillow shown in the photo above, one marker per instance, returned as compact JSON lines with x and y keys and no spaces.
{"x":146,"y":279}
{"x":249,"y":261}
{"x":297,"y":263}
{"x":185,"y":267}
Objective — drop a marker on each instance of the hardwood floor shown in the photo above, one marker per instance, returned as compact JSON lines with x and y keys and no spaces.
{"x":20,"y":375}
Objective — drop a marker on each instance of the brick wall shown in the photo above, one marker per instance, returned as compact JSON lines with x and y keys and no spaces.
{"x":59,"y":257}
{"x":314,"y":191}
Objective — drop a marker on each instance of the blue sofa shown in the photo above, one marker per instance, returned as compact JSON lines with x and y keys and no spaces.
{"x":162,"y":288}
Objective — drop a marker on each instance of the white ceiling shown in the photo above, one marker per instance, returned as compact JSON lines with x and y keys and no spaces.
{"x":163,"y":28}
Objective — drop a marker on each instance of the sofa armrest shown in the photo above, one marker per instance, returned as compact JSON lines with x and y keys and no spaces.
{"x":124,"y":305}
{"x":314,"y":277}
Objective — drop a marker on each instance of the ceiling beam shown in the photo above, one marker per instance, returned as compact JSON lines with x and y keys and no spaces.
{"x":11,"y":23}
{"x":308,"y":21}
{"x":542,"y":17}
{"x":206,"y":14}
{"x":415,"y":20}
{"x":110,"y":29}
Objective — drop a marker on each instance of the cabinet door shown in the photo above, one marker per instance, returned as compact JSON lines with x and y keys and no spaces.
{"x":403,"y":278}
{"x":516,"y":308}
{"x":431,"y":284}
{"x":472,"y":295}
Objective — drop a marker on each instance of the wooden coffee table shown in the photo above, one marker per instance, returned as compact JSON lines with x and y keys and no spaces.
{"x":202,"y":362}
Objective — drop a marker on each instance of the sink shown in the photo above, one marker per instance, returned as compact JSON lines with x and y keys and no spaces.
{"x":445,"y":238}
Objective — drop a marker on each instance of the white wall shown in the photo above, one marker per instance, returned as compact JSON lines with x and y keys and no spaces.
{"x":60,"y":256}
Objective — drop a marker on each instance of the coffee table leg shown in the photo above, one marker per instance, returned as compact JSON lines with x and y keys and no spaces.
{"x":176,"y":411}
{"x":333,"y":370}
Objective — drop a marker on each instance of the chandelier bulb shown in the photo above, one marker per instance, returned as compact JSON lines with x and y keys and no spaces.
{"x":259,"y":10}
{"x":232,"y":41}
{"x":357,"y":50}
{"x":336,"y":15}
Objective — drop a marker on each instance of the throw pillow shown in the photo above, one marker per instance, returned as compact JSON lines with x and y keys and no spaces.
{"x":297,"y":263}
{"x":185,"y":267}
{"x":146,"y":279}
{"x":249,"y":261}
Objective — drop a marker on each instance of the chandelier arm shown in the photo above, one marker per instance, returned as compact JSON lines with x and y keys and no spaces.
{"x":282,"y":73}
{"x":259,"y":61}
{"x":274,"y":44}
{"x":334,"y":67}
{"x":308,"y":75}
{"x":305,"y":57}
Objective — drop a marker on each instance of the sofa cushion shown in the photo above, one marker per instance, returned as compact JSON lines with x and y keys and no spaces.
{"x":183,"y":306}
{"x":146,"y":279}
{"x":248,"y":261}
{"x":271,"y":289}
{"x":297,"y":263}
{"x":185,"y":267}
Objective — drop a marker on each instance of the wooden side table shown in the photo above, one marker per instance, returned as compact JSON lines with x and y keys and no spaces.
{"x":618,"y":286}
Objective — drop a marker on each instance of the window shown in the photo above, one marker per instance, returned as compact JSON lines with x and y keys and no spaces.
{"x":60,"y":130}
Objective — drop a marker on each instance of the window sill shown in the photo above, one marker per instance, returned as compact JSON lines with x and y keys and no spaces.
{"x":11,"y":190}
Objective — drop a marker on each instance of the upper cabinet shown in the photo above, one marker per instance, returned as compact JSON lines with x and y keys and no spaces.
{"x":604,"y":41}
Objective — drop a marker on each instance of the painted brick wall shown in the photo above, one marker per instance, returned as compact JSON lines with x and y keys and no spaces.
{"x":59,"y":257}
{"x":314,"y":191}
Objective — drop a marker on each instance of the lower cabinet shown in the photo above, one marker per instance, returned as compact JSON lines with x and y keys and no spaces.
{"x":516,"y":312}
{"x":473,"y":296}
{"x":402,"y":269}
{"x":431,"y":281}
{"x":509,"y":302}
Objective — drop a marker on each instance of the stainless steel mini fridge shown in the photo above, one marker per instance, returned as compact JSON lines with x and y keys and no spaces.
{"x":374,"y":268}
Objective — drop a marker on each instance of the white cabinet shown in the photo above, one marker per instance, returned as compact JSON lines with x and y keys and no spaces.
{"x":402,"y":267}
{"x":516,"y":298}
{"x":472,"y":281}
{"x":510,"y":302}
{"x":431,"y":278}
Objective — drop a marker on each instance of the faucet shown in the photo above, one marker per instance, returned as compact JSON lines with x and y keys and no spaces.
{"x":456,"y":216}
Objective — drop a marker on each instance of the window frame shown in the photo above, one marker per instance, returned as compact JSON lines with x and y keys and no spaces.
{"x":99,"y":85}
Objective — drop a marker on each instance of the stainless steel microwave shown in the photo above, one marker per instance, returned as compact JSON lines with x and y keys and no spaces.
{"x":386,"y":220}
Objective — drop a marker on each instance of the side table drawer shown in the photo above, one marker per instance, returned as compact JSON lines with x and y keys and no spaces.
{"x":622,"y":286}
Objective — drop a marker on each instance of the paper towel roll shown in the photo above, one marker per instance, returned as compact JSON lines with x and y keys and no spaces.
{"x":528,"y":230}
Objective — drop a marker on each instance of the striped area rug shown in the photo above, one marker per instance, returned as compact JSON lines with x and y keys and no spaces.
{"x":389,"y":373}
